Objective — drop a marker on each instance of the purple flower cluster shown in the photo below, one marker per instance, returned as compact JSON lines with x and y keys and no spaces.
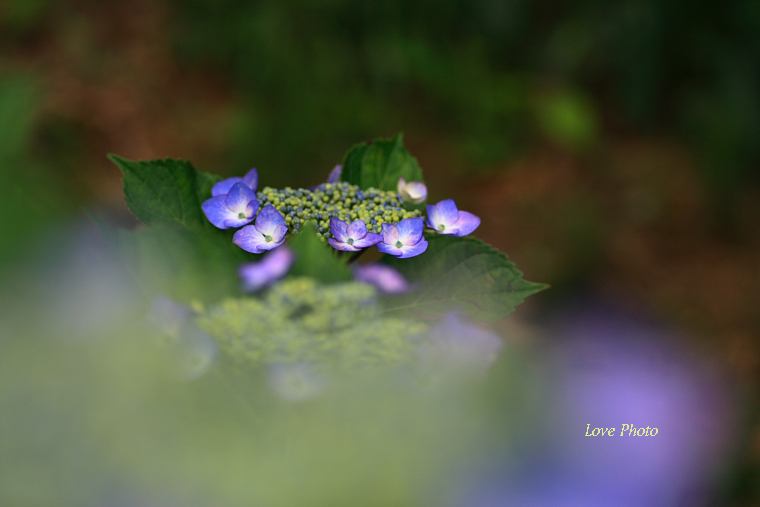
{"x":404,"y":239}
{"x":234,"y":204}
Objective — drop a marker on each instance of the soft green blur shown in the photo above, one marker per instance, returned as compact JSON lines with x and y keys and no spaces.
{"x":97,"y":411}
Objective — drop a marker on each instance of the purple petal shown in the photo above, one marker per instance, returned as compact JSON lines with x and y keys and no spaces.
{"x":390,"y":249}
{"x":466,"y":224}
{"x":390,"y":234}
{"x":369,"y":240}
{"x":279,"y":233}
{"x":385,"y":278}
{"x":335,"y":174}
{"x":338,"y":229}
{"x":251,"y":240}
{"x":234,"y":223}
{"x":217,"y":211}
{"x":444,"y":213}
{"x":410,"y":230}
{"x":344,"y":247}
{"x":241,"y":199}
{"x":224,"y":186}
{"x":272,"y":267}
{"x":271,"y":245}
{"x":251,"y":179}
{"x":413,"y":250}
{"x":269,"y":220}
{"x":357,"y":230}
{"x":401,"y":185}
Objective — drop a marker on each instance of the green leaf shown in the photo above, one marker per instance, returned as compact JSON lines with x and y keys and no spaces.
{"x":317,"y":259}
{"x":463,"y":275}
{"x":166,"y":192}
{"x":181,"y":255}
{"x":380,"y":164}
{"x":184,"y":265}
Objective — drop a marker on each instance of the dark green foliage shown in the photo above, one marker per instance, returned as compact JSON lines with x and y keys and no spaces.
{"x":182,"y":255}
{"x":380,"y":164}
{"x":32,"y":193}
{"x":166,"y":192}
{"x":184,"y":265}
{"x":463,"y":275}
{"x":316,"y":259}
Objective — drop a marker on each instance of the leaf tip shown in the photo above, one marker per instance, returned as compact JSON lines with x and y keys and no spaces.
{"x":535,"y":287}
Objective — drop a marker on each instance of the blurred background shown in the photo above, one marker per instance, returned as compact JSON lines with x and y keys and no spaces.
{"x":611,"y":148}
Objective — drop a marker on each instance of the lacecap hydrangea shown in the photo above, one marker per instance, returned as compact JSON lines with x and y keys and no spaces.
{"x":346,"y":216}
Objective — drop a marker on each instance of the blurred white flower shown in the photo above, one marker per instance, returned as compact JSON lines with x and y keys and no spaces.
{"x":413,"y":191}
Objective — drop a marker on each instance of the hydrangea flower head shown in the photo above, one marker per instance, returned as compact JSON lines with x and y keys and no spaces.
{"x":267,"y":233}
{"x":385,"y":278}
{"x":233,"y":209}
{"x":250,"y":180}
{"x":351,"y":237}
{"x":414,"y":191}
{"x":274,"y":265}
{"x":335,"y":174}
{"x":445,"y":218}
{"x":403,"y":239}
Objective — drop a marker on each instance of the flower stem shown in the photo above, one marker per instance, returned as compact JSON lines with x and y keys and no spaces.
{"x":356,"y":256}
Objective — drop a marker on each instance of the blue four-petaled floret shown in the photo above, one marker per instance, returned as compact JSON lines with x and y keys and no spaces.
{"x":233,"y":209}
{"x":445,"y":218}
{"x":404,"y":239}
{"x":267,"y":233}
{"x":351,"y":237}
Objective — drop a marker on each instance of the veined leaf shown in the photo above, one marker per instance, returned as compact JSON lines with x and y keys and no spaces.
{"x":380,"y":164}
{"x":463,"y":275}
{"x":182,"y":254}
{"x":166,"y":192}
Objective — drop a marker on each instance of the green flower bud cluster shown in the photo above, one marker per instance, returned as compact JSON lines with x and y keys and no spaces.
{"x":342,"y":200}
{"x":337,"y":326}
